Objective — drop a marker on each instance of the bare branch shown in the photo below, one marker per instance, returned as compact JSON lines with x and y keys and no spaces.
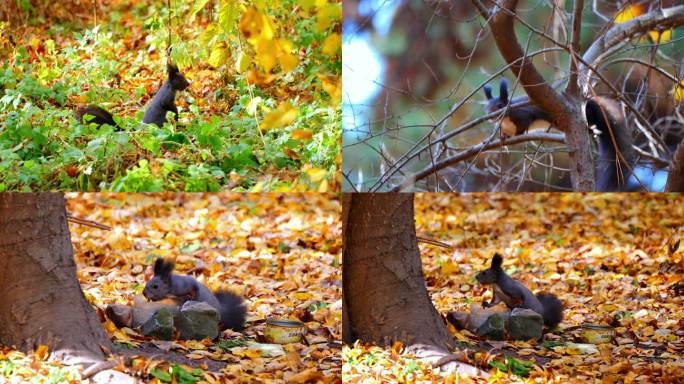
{"x":573,"y":88}
{"x":474,"y":150}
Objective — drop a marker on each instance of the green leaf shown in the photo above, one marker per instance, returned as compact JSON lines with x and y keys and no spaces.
{"x":228,"y":15}
{"x":199,"y":4}
{"x":161,"y":375}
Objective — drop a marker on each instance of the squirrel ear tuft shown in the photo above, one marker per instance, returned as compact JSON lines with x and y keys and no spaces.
{"x":488,"y":91}
{"x":162,"y":268}
{"x":172,"y":69}
{"x":503,"y":90}
{"x":497,"y":260}
{"x":158,"y":266}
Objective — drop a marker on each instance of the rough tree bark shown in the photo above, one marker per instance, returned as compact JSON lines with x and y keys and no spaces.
{"x":675,"y":179}
{"x":41,"y":300}
{"x":385,"y":296}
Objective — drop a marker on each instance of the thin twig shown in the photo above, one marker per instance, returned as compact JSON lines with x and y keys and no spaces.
{"x":89,"y":223}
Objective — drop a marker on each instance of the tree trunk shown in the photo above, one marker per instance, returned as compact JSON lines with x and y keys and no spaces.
{"x":675,"y":179}
{"x":385,"y":296}
{"x":41,"y":301}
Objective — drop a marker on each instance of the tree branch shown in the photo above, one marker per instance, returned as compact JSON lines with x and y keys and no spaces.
{"x":474,"y":151}
{"x":536,"y":87}
{"x":618,"y":35}
{"x":573,"y":86}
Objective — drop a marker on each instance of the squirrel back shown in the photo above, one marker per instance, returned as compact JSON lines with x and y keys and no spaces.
{"x":167,"y":285}
{"x":516,"y":295}
{"x":165,"y":99}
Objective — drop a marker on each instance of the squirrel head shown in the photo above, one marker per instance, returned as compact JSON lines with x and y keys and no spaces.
{"x":159,"y":286}
{"x":178,"y":81}
{"x":491,"y":275}
{"x":496,"y":103}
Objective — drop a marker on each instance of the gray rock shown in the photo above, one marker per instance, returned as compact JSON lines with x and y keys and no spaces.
{"x":525,"y":324}
{"x":493,"y":328}
{"x":198,"y":320}
{"x":160,"y":325}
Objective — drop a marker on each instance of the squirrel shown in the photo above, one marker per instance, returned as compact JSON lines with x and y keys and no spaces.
{"x":601,"y":112}
{"x":165,"y":99}
{"x":515,"y":295}
{"x":99,"y":115}
{"x":167,"y":285}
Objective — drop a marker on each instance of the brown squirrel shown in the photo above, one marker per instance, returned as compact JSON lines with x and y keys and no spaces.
{"x":515,"y":295}
{"x":603,"y":113}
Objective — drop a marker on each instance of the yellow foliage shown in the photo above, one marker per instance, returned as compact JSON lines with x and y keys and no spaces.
{"x":635,"y":10}
{"x":256,"y":26}
{"x":332,"y":87}
{"x":219,"y":55}
{"x":302,"y":134}
{"x":242,"y":62}
{"x":326,"y":14}
{"x":332,"y":44}
{"x":266,"y":53}
{"x":315,"y":174}
{"x":679,"y":91}
{"x":283,"y":115}
{"x":629,"y":13}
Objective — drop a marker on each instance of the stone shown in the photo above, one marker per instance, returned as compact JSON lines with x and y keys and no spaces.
{"x":198,"y":320}
{"x":494,"y":327}
{"x":160,"y":325}
{"x":525,"y":324}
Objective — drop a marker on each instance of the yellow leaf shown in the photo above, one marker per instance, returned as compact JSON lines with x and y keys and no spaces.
{"x":42,"y":352}
{"x":284,"y":115}
{"x":266,"y":53}
{"x":326,"y":14}
{"x":629,"y":13}
{"x":242,"y":62}
{"x":219,"y":55}
{"x":302,"y":134}
{"x":332,"y":88}
{"x":679,"y":91}
{"x":332,"y":44}
{"x":288,"y":61}
{"x":315,"y":174}
{"x":323,"y":186}
{"x":303,"y":295}
{"x":449,"y":268}
{"x":661,"y":37}
{"x":256,"y":26}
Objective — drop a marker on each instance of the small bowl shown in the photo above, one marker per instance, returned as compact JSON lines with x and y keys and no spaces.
{"x":282,"y":331}
{"x":597,"y":334}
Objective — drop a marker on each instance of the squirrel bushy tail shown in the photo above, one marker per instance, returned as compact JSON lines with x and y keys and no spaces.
{"x":553,"y":309}
{"x":615,"y":135}
{"x":100,"y":116}
{"x":233,"y":310}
